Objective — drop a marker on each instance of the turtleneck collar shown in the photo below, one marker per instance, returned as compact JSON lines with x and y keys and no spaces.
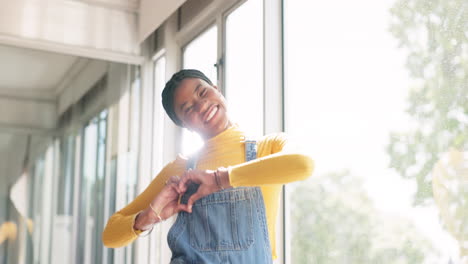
{"x":230,"y":135}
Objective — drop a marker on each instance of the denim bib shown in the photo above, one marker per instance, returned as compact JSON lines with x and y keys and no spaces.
{"x":228,"y":226}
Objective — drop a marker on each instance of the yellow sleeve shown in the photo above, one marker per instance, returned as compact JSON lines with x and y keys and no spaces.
{"x":273,"y":166}
{"x":119,"y":228}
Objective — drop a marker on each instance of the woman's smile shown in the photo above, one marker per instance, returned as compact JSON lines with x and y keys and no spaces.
{"x":201,"y":107}
{"x":210,"y":113}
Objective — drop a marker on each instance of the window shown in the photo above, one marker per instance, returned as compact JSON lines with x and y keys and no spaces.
{"x":158,"y":113}
{"x":134,"y":130}
{"x":90,"y":224}
{"x":63,"y":215}
{"x":378,"y":120}
{"x":157,"y":150}
{"x":200,"y":54}
{"x":33,"y":252}
{"x":127,"y":144}
{"x":244,"y":66}
{"x":65,"y":182}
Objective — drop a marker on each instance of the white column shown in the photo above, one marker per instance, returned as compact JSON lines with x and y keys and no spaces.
{"x":274,"y":101}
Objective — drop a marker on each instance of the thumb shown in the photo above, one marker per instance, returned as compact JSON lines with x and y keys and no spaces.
{"x":186,"y":178}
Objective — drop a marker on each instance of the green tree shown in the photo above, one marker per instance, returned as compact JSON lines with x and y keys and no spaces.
{"x":434,"y":33}
{"x":450,"y":186}
{"x":336,"y":222}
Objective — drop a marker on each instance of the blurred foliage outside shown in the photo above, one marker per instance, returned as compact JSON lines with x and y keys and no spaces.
{"x":434,"y":33}
{"x":450,"y":181}
{"x":434,"y":152}
{"x":336,"y":222}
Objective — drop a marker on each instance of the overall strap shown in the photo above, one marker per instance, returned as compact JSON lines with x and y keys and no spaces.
{"x":250,"y":149}
{"x":192,"y":162}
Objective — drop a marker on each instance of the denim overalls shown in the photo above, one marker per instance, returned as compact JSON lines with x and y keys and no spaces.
{"x":228,"y":226}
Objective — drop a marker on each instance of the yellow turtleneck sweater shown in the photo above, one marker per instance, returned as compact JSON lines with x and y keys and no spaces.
{"x":270,"y":171}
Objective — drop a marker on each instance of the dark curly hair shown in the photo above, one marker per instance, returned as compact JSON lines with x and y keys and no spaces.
{"x":168,"y":91}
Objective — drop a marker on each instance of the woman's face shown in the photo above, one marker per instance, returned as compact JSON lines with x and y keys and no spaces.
{"x":201,"y":107}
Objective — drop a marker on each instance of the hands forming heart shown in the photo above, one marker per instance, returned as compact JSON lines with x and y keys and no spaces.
{"x":167,"y":202}
{"x":169,"y":197}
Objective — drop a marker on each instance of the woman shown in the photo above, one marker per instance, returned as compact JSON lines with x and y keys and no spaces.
{"x":226,"y":203}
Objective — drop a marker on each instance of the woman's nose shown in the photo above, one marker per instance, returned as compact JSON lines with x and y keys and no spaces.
{"x":200,"y":106}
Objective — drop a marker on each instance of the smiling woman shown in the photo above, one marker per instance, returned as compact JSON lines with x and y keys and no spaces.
{"x":240,"y":194}
{"x":202,"y":107}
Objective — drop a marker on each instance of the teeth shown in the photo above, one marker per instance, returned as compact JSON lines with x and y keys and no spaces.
{"x":212,"y":113}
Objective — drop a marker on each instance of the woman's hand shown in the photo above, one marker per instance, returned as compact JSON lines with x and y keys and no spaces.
{"x":165,"y":204}
{"x":207,"y":181}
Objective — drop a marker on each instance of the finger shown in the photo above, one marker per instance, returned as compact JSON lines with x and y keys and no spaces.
{"x":184,"y":181}
{"x":175,"y":178}
{"x":196,"y":196}
{"x":175,"y":187}
{"x":184,"y":175}
{"x":174,"y":181}
{"x":183,"y":207}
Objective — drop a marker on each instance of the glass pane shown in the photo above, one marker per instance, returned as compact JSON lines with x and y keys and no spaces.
{"x":92,"y":188}
{"x":38,"y":216}
{"x":112,"y":207}
{"x":30,"y":217}
{"x":63,"y":218}
{"x":200,"y":54}
{"x":134,"y":136}
{"x":34,"y":252}
{"x":376,"y":94}
{"x":244,"y":66}
{"x":88,"y":179}
{"x":65,"y":179}
{"x":157,"y":148}
{"x":99,"y":197}
{"x":158,"y":113}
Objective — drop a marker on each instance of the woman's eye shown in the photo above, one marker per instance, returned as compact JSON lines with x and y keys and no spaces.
{"x":188,"y":109}
{"x":203,"y":92}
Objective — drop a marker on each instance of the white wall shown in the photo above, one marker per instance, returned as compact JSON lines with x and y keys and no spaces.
{"x":153,"y":13}
{"x":34,"y":115}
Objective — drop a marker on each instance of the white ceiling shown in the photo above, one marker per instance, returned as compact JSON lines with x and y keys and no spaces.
{"x":32,"y":70}
{"x":30,"y":73}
